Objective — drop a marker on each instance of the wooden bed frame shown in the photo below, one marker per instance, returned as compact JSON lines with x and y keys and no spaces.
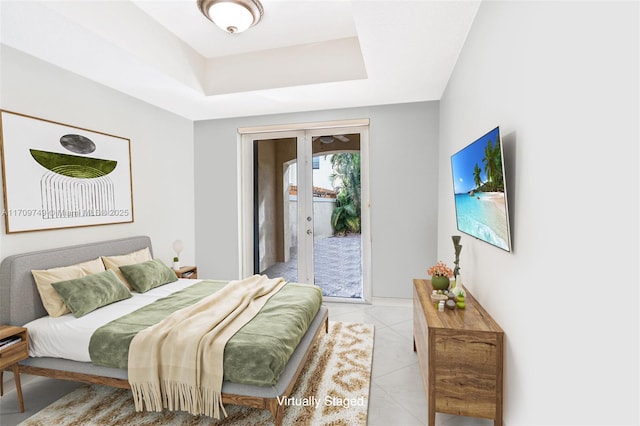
{"x":20,"y":303}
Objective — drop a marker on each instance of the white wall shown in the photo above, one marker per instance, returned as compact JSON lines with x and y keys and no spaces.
{"x":161,"y":154}
{"x":403,"y":168}
{"x":561,"y":79}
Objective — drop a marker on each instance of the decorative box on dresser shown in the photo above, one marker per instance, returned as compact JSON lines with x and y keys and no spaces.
{"x":460,"y":354}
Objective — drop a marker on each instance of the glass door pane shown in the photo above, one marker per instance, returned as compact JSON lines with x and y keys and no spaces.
{"x":337,"y":254}
{"x":276,"y":208}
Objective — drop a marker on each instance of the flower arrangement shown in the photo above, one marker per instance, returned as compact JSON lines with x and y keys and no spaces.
{"x":440,"y":270}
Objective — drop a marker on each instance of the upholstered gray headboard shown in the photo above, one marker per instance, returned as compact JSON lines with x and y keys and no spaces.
{"x":19,"y":298}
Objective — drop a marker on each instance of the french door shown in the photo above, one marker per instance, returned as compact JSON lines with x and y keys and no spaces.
{"x":289,"y":192}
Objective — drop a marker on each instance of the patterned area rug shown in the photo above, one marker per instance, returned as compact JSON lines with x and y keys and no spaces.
{"x":333,"y":389}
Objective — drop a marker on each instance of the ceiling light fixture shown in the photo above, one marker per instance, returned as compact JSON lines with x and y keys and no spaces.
{"x":232,"y":16}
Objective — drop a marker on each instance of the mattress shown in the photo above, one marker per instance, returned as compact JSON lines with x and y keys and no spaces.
{"x":68,"y":337}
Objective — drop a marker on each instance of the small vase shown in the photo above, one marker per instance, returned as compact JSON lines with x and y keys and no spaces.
{"x":458,"y":281}
{"x":439,"y":282}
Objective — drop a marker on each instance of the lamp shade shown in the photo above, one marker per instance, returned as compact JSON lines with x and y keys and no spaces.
{"x":232,"y":16}
{"x":178,"y":245}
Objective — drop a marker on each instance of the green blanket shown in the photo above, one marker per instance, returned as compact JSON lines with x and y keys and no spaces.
{"x":255,"y":355}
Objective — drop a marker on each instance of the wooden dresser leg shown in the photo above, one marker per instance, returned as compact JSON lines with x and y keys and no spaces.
{"x":431,"y":418}
{"x":1,"y":384}
{"x":431,"y":409}
{"x":16,"y":377}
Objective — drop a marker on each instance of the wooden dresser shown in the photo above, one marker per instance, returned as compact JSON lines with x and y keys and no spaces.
{"x":460,"y":353}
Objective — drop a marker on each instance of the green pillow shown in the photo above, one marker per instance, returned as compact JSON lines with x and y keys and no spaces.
{"x":147,"y":275}
{"x":86,"y":294}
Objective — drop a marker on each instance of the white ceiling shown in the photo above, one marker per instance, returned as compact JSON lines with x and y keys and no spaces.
{"x":304,"y":55}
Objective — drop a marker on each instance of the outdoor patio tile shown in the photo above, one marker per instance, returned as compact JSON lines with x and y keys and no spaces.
{"x":337,"y":265}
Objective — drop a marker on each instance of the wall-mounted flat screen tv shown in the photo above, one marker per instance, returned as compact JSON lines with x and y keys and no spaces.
{"x":480,"y":191}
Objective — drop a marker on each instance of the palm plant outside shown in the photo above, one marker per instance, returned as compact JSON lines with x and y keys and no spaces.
{"x":346,"y":173}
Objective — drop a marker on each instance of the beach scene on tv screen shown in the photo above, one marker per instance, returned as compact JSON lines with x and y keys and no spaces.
{"x":478,"y":181}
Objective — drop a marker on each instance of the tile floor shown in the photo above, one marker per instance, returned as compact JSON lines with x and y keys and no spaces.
{"x":396,"y":397}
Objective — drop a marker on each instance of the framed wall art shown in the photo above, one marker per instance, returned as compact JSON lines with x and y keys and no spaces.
{"x":60,"y":176}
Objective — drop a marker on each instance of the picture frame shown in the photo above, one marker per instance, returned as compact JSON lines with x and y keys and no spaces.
{"x":58,"y":175}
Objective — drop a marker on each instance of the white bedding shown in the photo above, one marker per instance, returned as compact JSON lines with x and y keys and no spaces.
{"x":68,"y":337}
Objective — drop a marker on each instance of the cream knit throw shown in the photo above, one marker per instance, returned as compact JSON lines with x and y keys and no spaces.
{"x":178,"y":363}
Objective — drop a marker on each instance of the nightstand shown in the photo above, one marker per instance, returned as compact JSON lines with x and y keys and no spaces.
{"x":14,"y":347}
{"x":190,"y":272}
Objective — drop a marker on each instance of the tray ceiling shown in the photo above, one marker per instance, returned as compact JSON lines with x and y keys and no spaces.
{"x":304,"y":55}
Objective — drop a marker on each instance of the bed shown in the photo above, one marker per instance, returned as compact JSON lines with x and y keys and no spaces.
{"x":20,"y":303}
